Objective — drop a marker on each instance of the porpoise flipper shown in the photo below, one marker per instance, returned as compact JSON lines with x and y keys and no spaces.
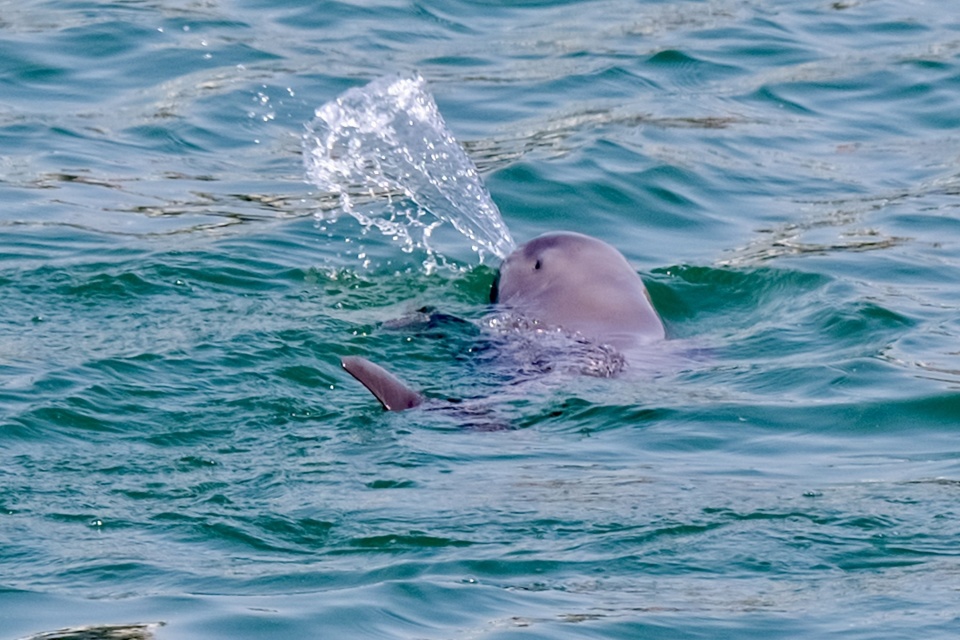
{"x":392,"y":394}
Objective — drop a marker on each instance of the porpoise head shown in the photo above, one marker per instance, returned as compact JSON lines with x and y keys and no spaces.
{"x":581,"y":284}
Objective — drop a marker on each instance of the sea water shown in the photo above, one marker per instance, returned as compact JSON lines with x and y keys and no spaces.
{"x":179,"y":444}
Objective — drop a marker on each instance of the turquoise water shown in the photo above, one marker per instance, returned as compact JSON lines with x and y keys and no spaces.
{"x":178,"y":443}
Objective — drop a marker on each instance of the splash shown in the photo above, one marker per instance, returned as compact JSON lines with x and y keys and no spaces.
{"x":387,"y":141}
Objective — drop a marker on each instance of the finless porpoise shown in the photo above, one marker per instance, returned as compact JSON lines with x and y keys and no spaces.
{"x":560,"y":279}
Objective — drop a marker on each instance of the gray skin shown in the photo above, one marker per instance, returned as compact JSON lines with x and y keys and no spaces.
{"x":560,"y":279}
{"x":581,"y":284}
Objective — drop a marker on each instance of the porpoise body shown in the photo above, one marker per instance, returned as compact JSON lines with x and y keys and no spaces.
{"x":561,"y":279}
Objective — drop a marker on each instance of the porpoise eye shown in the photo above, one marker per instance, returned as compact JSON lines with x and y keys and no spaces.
{"x":537,"y":265}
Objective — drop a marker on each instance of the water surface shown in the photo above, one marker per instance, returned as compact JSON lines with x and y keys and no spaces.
{"x":178,"y":442}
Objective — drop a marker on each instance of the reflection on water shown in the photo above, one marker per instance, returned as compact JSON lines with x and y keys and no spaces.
{"x":790,"y":239}
{"x":101,"y":632}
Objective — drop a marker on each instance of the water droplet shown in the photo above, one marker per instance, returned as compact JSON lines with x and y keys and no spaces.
{"x":387,"y":141}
